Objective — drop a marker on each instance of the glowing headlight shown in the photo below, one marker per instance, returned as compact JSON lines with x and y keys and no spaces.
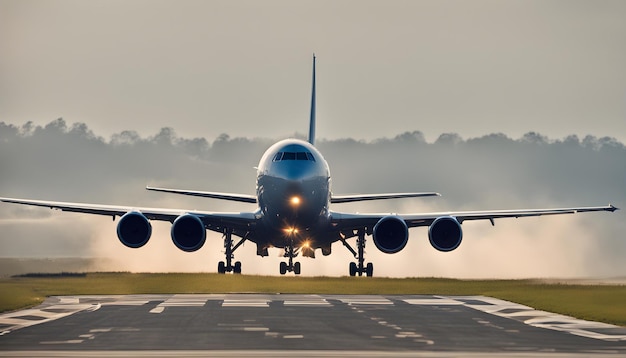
{"x":290,"y":230}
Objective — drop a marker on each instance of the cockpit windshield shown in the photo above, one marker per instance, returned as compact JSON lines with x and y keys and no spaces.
{"x":280,"y":156}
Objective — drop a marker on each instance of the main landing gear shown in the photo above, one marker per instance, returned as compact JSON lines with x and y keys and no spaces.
{"x":359,"y":267}
{"x":291,"y":266}
{"x":223,"y":267}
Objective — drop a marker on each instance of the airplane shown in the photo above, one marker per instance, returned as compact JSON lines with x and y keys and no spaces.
{"x":293,"y":212}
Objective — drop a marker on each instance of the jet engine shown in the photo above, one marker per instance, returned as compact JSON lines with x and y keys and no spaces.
{"x":445,"y":233}
{"x":188,"y":233}
{"x":390,"y":234}
{"x":134,"y":229}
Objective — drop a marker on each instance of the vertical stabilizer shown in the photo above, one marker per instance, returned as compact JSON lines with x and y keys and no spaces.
{"x":312,"y":118}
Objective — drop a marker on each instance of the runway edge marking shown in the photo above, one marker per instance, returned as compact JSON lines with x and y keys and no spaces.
{"x":65,"y":306}
{"x":544,"y":319}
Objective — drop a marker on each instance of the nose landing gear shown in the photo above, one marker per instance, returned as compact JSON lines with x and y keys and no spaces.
{"x":291,"y":266}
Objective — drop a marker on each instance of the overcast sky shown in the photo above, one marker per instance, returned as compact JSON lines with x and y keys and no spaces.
{"x":384,"y":67}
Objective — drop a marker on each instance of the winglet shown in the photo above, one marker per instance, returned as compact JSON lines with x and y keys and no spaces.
{"x":312,"y":118}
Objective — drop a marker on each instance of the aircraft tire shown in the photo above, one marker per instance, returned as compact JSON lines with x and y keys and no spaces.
{"x":283,"y":268}
{"x":296,"y":268}
{"x":221,"y":267}
{"x":369,"y":269}
{"x":237,"y":268}
{"x":352,"y":269}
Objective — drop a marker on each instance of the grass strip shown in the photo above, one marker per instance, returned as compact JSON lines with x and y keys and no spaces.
{"x":604,"y":303}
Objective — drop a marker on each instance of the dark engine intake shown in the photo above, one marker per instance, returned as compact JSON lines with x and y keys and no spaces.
{"x":445,"y":233}
{"x":188,"y":233}
{"x":134,"y":229}
{"x":390,"y":234}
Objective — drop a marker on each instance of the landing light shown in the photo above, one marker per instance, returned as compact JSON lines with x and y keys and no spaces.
{"x":295,"y":200}
{"x":290,"y":230}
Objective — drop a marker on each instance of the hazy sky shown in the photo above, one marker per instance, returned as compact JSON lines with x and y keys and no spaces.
{"x":384,"y":67}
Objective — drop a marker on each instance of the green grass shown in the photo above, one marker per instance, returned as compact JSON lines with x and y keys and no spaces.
{"x":605,"y":303}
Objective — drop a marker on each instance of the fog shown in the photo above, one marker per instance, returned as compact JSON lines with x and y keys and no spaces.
{"x":69,"y":162}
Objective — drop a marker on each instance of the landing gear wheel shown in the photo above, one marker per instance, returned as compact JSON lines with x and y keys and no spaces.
{"x":223,"y":267}
{"x":290,"y":253}
{"x":359,"y":267}
{"x":352,"y":269}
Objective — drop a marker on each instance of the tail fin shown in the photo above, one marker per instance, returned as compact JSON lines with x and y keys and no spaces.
{"x":312,"y":118}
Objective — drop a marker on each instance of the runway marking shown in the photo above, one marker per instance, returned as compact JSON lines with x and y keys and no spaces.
{"x":366,"y":300}
{"x":100,"y":330}
{"x":308,"y":301}
{"x":68,"y":305}
{"x":528,"y":315}
{"x":408,"y":335}
{"x":185,"y":301}
{"x":158,"y":309}
{"x":547,"y":320}
{"x":128,"y":303}
{"x":250,"y":302}
{"x":435,"y":301}
{"x":71,"y":341}
{"x":294,"y":336}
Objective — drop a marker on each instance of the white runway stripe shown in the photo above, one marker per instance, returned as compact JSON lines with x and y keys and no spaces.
{"x":430,"y":301}
{"x":245,"y":303}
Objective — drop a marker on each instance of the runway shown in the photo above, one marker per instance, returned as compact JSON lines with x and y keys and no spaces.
{"x":310,"y":325}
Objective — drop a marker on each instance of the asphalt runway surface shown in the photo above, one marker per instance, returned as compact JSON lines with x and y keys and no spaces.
{"x":278,"y":325}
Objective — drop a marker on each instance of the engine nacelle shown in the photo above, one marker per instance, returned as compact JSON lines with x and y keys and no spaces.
{"x":390,"y":234}
{"x":134,"y":229}
{"x":445,"y":233}
{"x":188,"y":233}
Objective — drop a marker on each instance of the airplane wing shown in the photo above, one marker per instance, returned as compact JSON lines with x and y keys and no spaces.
{"x":207,"y":194}
{"x":213,"y":221}
{"x":346,"y":221}
{"x":337,"y":199}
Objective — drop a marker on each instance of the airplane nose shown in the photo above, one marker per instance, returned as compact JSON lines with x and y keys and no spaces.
{"x":296,"y":172}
